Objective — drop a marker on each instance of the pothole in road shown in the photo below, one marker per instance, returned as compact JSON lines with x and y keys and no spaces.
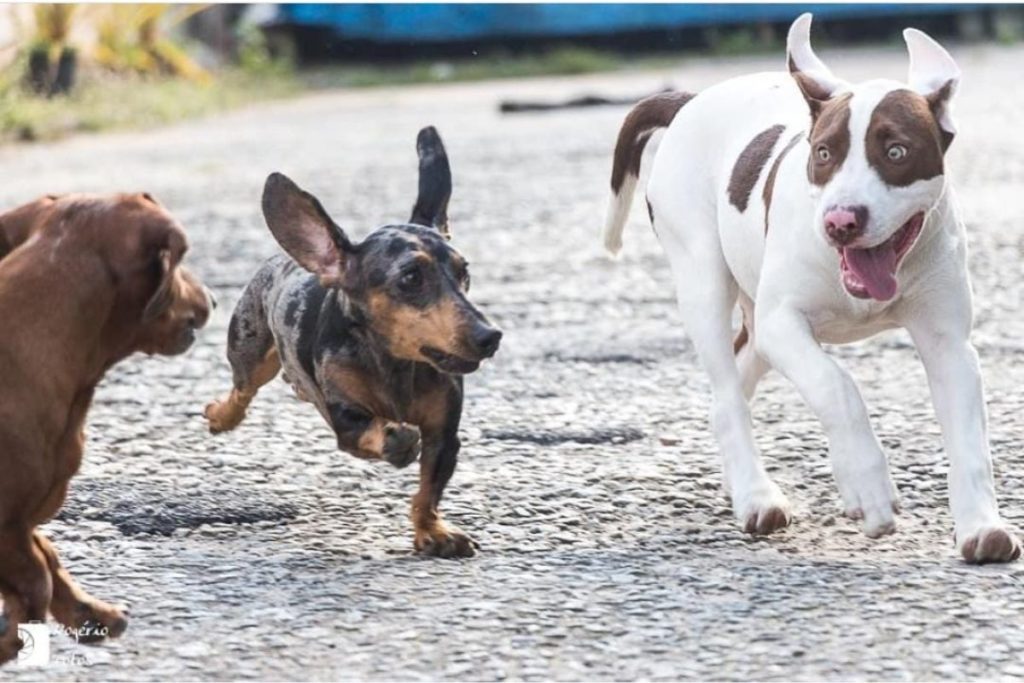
{"x":552,"y":437}
{"x":137,"y":508}
{"x":601,"y":359}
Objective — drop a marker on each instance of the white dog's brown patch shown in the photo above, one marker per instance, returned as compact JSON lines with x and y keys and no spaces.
{"x":904,"y":143}
{"x":830,"y":139}
{"x":749,"y":165}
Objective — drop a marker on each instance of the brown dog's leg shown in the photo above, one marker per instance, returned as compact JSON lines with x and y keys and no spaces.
{"x":25,"y":583}
{"x":227,"y":413}
{"x":88,"y":619}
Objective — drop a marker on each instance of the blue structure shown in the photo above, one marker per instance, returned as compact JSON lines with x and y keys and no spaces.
{"x":449,"y":22}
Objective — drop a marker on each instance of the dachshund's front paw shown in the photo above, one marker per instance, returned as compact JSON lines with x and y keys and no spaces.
{"x":445,"y":541}
{"x":223,"y":415}
{"x":401,"y":444}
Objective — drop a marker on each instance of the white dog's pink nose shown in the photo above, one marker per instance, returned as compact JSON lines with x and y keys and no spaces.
{"x":844,"y":224}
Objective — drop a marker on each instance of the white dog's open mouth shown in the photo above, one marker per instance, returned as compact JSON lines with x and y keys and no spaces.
{"x":871,"y":273}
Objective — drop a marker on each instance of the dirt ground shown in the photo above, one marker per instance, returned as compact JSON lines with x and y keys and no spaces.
{"x":588,"y":472}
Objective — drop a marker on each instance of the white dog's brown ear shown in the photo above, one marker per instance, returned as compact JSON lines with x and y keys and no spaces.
{"x":302,"y":227}
{"x":934,"y":74}
{"x":816,"y":81}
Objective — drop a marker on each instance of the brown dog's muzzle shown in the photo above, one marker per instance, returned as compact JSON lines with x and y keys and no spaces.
{"x":173,"y":331}
{"x":201,"y":301}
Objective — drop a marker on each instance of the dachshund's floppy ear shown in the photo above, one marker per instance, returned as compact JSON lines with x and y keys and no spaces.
{"x":302,"y":227}
{"x":431,"y":207}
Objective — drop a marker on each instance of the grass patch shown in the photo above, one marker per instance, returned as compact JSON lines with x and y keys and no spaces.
{"x":102,"y":102}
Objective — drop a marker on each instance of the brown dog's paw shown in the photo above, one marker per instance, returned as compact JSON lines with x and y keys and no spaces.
{"x":10,"y":644}
{"x":401,"y":444}
{"x":223,"y":416}
{"x":990,"y":545}
{"x":92,"y":621}
{"x":445,"y":541}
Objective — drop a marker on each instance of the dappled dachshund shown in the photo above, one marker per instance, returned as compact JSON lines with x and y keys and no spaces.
{"x":375,"y":334}
{"x":85,"y":281}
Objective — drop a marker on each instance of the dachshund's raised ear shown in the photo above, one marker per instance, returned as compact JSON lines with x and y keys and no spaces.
{"x":431,"y":207}
{"x":302,"y":227}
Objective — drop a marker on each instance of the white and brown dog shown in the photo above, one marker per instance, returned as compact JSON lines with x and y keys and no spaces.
{"x":822,"y":208}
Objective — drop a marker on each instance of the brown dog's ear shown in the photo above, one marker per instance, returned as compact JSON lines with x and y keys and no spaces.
{"x":431,"y":207}
{"x":302,"y":227}
{"x":163,"y":297}
{"x":17,"y":224}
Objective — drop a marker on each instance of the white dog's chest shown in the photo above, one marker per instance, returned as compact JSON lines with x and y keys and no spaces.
{"x":845,"y":325}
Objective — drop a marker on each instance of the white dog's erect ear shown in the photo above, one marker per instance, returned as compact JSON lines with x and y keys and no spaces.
{"x":816,"y":81}
{"x":934,"y":74}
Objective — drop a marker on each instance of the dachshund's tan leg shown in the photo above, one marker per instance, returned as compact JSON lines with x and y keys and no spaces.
{"x":433,"y":536}
{"x":227,"y":413}
{"x":87,"y":619}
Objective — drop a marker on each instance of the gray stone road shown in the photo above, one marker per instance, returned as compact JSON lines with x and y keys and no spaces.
{"x":588,"y":473}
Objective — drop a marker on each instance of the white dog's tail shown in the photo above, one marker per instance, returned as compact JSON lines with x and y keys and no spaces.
{"x":650,"y":114}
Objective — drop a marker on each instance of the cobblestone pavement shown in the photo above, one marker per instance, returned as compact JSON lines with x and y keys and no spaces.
{"x":588,"y":473}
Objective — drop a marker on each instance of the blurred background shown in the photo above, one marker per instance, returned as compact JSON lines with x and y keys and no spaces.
{"x":69,"y":67}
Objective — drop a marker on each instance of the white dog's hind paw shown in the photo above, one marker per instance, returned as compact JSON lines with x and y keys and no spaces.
{"x":994,"y":544}
{"x":765,"y":513}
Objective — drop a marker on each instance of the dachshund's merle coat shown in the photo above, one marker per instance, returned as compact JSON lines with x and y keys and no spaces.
{"x":376,"y":335}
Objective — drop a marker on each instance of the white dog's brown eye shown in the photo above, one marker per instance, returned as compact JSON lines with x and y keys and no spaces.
{"x":896,"y":152}
{"x":823,"y":153}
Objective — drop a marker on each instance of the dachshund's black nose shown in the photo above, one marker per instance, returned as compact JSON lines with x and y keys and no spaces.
{"x":487,"y":340}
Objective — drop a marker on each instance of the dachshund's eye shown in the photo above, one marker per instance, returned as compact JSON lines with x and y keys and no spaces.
{"x":896,"y":152}
{"x":411,"y":280}
{"x":464,"y":281}
{"x":823,"y":153}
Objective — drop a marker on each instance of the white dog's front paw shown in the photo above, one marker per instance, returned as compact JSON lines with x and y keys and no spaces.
{"x":991,"y":544}
{"x":763,"y":511}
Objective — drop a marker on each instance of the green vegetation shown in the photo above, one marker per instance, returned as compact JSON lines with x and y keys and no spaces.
{"x":103,"y":101}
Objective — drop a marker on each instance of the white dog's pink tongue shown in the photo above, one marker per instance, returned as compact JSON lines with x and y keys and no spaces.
{"x":875,"y":268}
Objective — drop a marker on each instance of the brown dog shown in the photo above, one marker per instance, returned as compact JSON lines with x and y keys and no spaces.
{"x":85,"y":281}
